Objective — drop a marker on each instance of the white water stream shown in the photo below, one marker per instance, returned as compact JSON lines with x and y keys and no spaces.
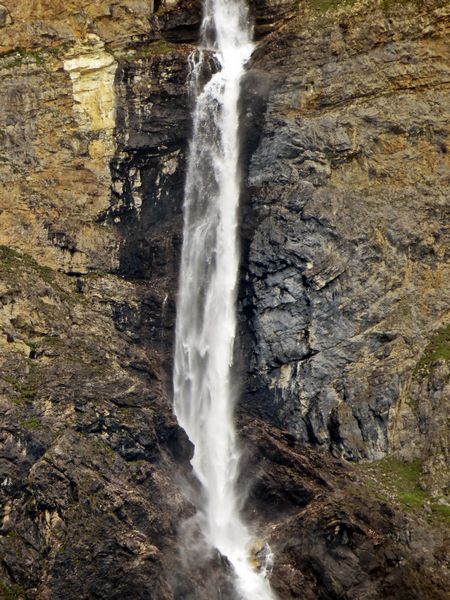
{"x":204,"y":398}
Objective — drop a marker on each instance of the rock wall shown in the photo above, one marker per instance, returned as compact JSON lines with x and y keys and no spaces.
{"x":91,"y":456}
{"x":346,"y":276}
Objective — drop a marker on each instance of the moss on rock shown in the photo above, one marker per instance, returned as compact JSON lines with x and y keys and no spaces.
{"x":401,"y":481}
{"x":11,"y":591}
{"x":438,"y":348}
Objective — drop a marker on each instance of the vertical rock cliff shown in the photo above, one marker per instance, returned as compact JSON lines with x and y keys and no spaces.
{"x":347,"y":270}
{"x":344,"y":312}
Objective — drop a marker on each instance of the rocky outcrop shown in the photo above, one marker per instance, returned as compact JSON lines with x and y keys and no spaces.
{"x":91,"y":456}
{"x":343,"y":300}
{"x":179,"y":20}
{"x":268,"y":15}
{"x":5,"y":17}
{"x":331,"y":537}
{"x":59,"y":102}
{"x":152,"y":130}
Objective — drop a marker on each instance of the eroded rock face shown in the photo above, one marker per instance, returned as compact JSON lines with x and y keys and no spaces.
{"x":88,"y":507}
{"x":268,"y":15}
{"x":92,"y":71}
{"x":153,"y":125}
{"x":179,"y":20}
{"x":347,"y":263}
{"x":88,"y":438}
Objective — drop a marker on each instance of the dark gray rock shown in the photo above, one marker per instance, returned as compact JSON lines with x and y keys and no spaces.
{"x":323,"y":520}
{"x":348,"y":217}
{"x":5,"y":17}
{"x":270,"y":14}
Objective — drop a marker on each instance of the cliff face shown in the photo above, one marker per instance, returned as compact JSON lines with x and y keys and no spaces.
{"x":343,"y":300}
{"x":347,"y":270}
{"x":90,"y":452}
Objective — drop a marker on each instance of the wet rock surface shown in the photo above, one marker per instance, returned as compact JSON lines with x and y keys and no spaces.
{"x":179,"y":20}
{"x":153,"y":125}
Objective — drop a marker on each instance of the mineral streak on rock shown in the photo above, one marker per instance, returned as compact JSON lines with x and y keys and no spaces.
{"x":92,"y":72}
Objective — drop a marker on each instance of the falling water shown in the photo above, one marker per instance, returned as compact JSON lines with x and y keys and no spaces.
{"x":206,"y":312}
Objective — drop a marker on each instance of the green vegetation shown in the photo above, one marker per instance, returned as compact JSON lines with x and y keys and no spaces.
{"x":437,"y":348}
{"x":95,"y":275}
{"x":401,"y":480}
{"x":105,"y":449}
{"x":157,"y":48}
{"x":403,"y":477}
{"x":27,"y":390}
{"x":12,"y":534}
{"x":11,"y":259}
{"x":324,"y":6}
{"x":441,"y":510}
{"x":48,"y":341}
{"x":8,"y":256}
{"x":32,"y":423}
{"x":17,"y":56}
{"x":11,"y":592}
{"x":394,"y":5}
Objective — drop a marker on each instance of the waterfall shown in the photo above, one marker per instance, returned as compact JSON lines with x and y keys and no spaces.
{"x":204,"y":398}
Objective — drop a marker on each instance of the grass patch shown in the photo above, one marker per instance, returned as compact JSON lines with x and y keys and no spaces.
{"x":11,"y":592}
{"x":401,"y":480}
{"x":17,"y":56}
{"x":11,"y":259}
{"x":32,"y":424}
{"x":404,"y":478}
{"x":27,"y":389}
{"x":324,"y":6}
{"x":441,"y":510}
{"x":9,"y":256}
{"x":438,"y":348}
